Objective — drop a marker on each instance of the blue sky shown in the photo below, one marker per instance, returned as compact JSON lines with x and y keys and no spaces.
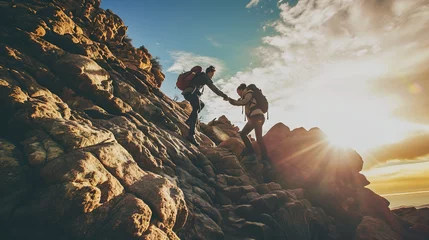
{"x":224,"y":29}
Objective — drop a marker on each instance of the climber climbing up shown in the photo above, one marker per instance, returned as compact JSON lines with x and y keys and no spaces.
{"x":255,"y":106}
{"x":193,"y":91}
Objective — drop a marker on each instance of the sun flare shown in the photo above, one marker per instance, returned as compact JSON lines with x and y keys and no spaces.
{"x":339,"y":141}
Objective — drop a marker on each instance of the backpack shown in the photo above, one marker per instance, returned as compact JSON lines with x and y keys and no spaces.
{"x":261,"y":100}
{"x":184,"y":80}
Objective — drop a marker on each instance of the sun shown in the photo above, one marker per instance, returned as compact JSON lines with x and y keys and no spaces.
{"x":338,"y":141}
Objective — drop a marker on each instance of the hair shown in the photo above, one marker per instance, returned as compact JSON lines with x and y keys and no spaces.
{"x":242,"y":86}
{"x":210,"y":69}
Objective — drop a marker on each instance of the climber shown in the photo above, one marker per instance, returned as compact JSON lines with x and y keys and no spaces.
{"x":256,"y":120}
{"x":193,"y":94}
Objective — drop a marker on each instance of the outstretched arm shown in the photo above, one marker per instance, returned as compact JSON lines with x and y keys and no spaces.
{"x":216,"y":90}
{"x":242,"y":101}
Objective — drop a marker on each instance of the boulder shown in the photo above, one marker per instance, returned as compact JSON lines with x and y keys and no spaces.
{"x":375,"y":229}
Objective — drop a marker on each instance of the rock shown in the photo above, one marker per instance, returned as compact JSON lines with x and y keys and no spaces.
{"x":274,"y":186}
{"x":248,"y":197}
{"x":297,"y":193}
{"x":135,"y":141}
{"x":41,"y":148}
{"x":133,"y":220}
{"x":164,"y":198}
{"x":73,"y":135}
{"x":11,"y":170}
{"x":154,"y":233}
{"x":265,"y":203}
{"x":245,"y":211}
{"x":85,"y":177}
{"x":216,"y":134}
{"x":413,"y":215}
{"x":256,"y":230}
{"x":420,"y":229}
{"x":233,"y":144}
{"x":186,"y":106}
{"x":282,"y":195}
{"x":159,"y":76}
{"x":236,"y":192}
{"x":415,"y":220}
{"x":360,"y":180}
{"x":129,"y":217}
{"x":200,"y":226}
{"x":83,"y":73}
{"x":296,"y":155}
{"x":13,"y":179}
{"x":374,"y":229}
{"x":228,"y":163}
{"x":371,"y":204}
{"x":221,"y":199}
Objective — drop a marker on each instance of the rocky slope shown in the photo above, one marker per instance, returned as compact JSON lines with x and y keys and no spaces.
{"x":90,"y":148}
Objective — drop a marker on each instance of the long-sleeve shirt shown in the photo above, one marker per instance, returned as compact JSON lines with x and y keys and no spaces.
{"x":199,"y":82}
{"x":249,"y":102}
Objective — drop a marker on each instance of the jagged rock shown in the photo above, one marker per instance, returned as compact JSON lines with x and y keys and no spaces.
{"x":235,"y":145}
{"x":186,"y":106}
{"x":256,"y":230}
{"x":246,"y":198}
{"x":90,"y":148}
{"x":159,"y":76}
{"x":237,"y":191}
{"x":371,"y":204}
{"x":413,"y":215}
{"x":266,"y":203}
{"x":245,"y":211}
{"x":128,"y":217}
{"x":74,"y":135}
{"x":375,"y":229}
{"x":416,"y":220}
{"x":164,"y":198}
{"x":297,"y":155}
{"x":40,"y":148}
{"x":132,"y":139}
{"x":12,"y":178}
{"x":88,"y":182}
{"x":155,"y":233}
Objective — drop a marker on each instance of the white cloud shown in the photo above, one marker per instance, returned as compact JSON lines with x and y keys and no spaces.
{"x":184,"y":61}
{"x":325,"y":60}
{"x":252,"y":3}
{"x":214,"y":42}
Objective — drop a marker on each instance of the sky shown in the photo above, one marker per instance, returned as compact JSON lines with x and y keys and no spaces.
{"x":357,"y":69}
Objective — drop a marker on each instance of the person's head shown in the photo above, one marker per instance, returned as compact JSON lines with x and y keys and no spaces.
{"x":210,"y":71}
{"x":241,"y":88}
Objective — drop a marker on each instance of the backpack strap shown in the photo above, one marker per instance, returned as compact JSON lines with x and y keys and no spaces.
{"x":254,"y":107}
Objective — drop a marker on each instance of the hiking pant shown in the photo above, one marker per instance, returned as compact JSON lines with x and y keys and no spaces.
{"x":255,"y":122}
{"x":197,"y":106}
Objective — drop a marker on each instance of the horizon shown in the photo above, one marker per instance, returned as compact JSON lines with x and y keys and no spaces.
{"x":356,"y":70}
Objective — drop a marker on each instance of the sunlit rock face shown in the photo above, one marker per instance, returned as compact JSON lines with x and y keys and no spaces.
{"x":90,"y":148}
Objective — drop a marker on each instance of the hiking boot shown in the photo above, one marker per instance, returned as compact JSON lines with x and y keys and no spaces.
{"x":251,"y":159}
{"x":192,"y":140}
